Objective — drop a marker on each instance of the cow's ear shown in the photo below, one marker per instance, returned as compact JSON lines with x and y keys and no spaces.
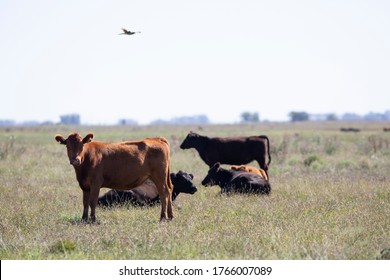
{"x":216,"y":165}
{"x":191,"y":175}
{"x":88,"y":138}
{"x":60,"y":139}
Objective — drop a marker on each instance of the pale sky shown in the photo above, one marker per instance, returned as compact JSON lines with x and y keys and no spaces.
{"x":218,"y":58}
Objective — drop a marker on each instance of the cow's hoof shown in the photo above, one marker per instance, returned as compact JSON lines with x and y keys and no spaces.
{"x":162,"y":220}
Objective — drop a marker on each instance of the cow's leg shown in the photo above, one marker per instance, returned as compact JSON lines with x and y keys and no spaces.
{"x":164,"y":189}
{"x":170,"y":210}
{"x":263,"y":165}
{"x":168,"y":185}
{"x":93,"y":199}
{"x":164,"y":198}
{"x":86,"y":195}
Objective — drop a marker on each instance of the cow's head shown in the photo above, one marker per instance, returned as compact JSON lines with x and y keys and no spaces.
{"x":74,"y":145}
{"x":212,"y":175}
{"x":189,"y":141}
{"x":182,"y":182}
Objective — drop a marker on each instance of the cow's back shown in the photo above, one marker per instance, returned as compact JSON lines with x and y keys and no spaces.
{"x":246,"y":168}
{"x":249,"y":182}
{"x":125,"y":165}
{"x":235,"y":150}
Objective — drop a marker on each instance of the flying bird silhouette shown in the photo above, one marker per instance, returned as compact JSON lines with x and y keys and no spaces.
{"x":128,"y":32}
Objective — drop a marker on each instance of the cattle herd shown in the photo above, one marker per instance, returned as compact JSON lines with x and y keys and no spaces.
{"x":138,"y":172}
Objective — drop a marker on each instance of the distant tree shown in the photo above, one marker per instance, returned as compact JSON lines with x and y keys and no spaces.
{"x":70,"y":119}
{"x":351,"y":117}
{"x":127,"y":122}
{"x":331,"y":117}
{"x":250,"y":117}
{"x":298,"y":116}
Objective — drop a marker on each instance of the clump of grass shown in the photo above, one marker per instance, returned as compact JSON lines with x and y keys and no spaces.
{"x":281,"y":151}
{"x":293,"y":161}
{"x":377,"y":143}
{"x":364,"y":163}
{"x":384,"y":254}
{"x":63,"y":246}
{"x":345,"y":164}
{"x":73,"y":219}
{"x":6,"y":147}
{"x":313,"y":160}
{"x":331,"y":145}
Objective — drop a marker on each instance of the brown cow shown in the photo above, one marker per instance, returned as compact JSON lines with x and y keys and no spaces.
{"x":123,"y":166}
{"x":247,"y":168}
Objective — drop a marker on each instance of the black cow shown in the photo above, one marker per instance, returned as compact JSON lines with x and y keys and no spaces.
{"x":230,"y":150}
{"x":349,"y":129}
{"x":236,"y":181}
{"x":146,"y":194}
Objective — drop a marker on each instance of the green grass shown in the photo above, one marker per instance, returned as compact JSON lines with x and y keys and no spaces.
{"x":330,"y":199}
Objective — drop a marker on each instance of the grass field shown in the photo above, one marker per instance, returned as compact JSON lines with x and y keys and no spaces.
{"x":330,"y":199}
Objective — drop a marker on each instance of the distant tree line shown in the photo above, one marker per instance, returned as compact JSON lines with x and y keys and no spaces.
{"x":304,"y":116}
{"x":197,"y":119}
{"x":246,"y":117}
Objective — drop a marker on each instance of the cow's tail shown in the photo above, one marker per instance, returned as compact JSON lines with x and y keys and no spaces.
{"x":168,"y":208}
{"x":168,"y":180}
{"x":268,"y":151}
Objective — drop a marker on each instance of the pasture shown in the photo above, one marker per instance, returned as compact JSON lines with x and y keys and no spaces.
{"x":330,"y":198}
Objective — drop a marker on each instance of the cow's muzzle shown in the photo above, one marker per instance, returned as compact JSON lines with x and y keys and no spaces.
{"x":75,"y":162}
{"x":184,"y":146}
{"x":193,"y":190}
{"x":207,"y":183}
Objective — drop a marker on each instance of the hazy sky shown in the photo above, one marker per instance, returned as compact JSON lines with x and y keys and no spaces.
{"x":218,"y":58}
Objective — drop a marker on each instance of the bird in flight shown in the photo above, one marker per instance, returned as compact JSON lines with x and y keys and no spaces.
{"x":128,"y":32}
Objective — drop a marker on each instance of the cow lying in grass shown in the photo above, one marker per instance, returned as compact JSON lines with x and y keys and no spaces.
{"x":147,"y":194}
{"x":236,"y":181}
{"x":247,"y":168}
